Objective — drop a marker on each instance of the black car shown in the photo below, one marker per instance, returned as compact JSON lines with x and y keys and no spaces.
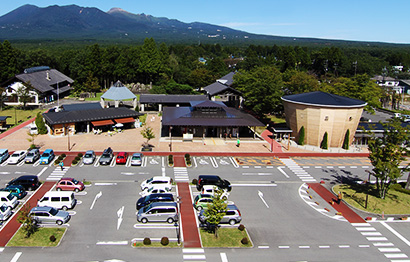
{"x":144,"y":201}
{"x":28,"y":182}
{"x":213,"y":180}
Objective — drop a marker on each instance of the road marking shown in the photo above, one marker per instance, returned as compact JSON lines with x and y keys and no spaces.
{"x":120,"y":212}
{"x":396,"y":255}
{"x":377,"y":238}
{"x":113,"y":243}
{"x":42,"y":171}
{"x":324,"y":246}
{"x":214,"y":163}
{"x":342,"y":167}
{"x":4,"y":173}
{"x":253,"y":185}
{"x":283,"y":172}
{"x":16,"y":257}
{"x":344,"y":246}
{"x":257,"y":174}
{"x":105,"y":184}
{"x":263,"y":247}
{"x":304,"y":247}
{"x":156,"y":226}
{"x":127,"y":173}
{"x":389,"y":249}
{"x":192,"y":250}
{"x":95,"y":199}
{"x":193,"y":257}
{"x":283,"y":247}
{"x":224,"y":258}
{"x":371,"y":234}
{"x":364,"y":246}
{"x":234,"y":163}
{"x":396,"y":233}
{"x":383,"y":244}
{"x":366,"y":228}
{"x":260,"y":194}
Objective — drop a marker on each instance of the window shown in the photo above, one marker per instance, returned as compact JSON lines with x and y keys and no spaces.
{"x":44,"y":199}
{"x":350,"y":118}
{"x":55,"y":199}
{"x":65,"y":199}
{"x":326,"y":118}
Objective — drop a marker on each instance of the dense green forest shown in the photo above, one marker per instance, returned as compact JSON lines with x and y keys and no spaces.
{"x":267,"y":72}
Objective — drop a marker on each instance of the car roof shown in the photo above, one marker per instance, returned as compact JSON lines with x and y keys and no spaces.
{"x":161,"y":178}
{"x":209,"y":176}
{"x":137,"y":154}
{"x":161,"y":204}
{"x":18,"y":151}
{"x":232,"y":207}
{"x":89,"y":152}
{"x":27,"y":177}
{"x":45,"y":208}
{"x":48,"y":150}
{"x":66,"y":178}
{"x":34,"y":149}
{"x":122,"y":153}
{"x":15,"y":186}
{"x":3,"y":150}
{"x":160,"y":195}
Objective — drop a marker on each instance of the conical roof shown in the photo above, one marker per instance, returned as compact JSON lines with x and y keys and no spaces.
{"x":118,"y":92}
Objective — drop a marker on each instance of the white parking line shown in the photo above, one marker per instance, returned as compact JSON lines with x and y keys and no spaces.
{"x":224,"y":258}
{"x":16,"y":257}
{"x":396,"y":233}
{"x":115,"y":243}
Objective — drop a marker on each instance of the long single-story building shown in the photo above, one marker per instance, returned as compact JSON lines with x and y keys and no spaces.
{"x":156,"y":102}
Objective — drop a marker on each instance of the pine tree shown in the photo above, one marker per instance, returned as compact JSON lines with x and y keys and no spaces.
{"x":301,"y":140}
{"x":346,"y":141}
{"x":324,"y":145}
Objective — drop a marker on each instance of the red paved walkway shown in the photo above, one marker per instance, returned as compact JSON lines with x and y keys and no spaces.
{"x":179,"y":161}
{"x":188,"y":220}
{"x":347,"y":213}
{"x":275,"y":146}
{"x":7,"y":232}
{"x":14,"y":129}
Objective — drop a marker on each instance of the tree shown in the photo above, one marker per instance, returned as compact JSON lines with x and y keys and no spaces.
{"x":2,"y":97}
{"x":215,"y":212}
{"x":31,"y":139}
{"x":387,"y":153}
{"x":23,"y":93}
{"x":148,"y":134}
{"x":41,"y":126}
{"x":324,"y":143}
{"x":28,"y":225}
{"x":301,"y":140}
{"x":91,"y":84}
{"x":346,"y":140}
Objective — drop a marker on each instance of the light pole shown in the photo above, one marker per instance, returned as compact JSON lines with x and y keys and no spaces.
{"x":368,"y":187}
{"x":170,"y":139}
{"x":178,"y":224}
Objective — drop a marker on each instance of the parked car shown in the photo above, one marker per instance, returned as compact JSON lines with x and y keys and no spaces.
{"x":213,"y":180}
{"x":33,"y":129}
{"x":32,"y":156}
{"x":42,"y":215}
{"x":145,"y":201}
{"x":17,"y":156}
{"x":4,"y":155}
{"x":212,"y":190}
{"x":121,"y":158}
{"x":232,"y":216}
{"x":158,"y":212}
{"x":29,"y":182}
{"x":5,"y":212}
{"x":58,"y":200}
{"x":106,"y":156}
{"x":136,"y":159}
{"x":89,"y":157}
{"x":156,"y":189}
{"x":47,"y":157}
{"x":156,"y":180}
{"x":70,"y":184}
{"x":8,"y":199}
{"x":16,"y":190}
{"x":201,"y":201}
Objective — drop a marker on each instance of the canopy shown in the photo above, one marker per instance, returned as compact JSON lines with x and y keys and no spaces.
{"x":102,"y":123}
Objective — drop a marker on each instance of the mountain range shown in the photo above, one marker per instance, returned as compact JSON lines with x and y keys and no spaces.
{"x":73,"y":22}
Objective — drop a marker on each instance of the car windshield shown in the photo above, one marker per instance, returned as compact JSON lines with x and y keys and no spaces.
{"x":45,"y":155}
{"x":105,"y":155}
{"x":144,"y":209}
{"x":120,"y":157}
{"x":75,"y":181}
{"x":150,"y":180}
{"x":136,"y":158}
{"x":53,"y":211}
{"x":88,"y":156}
{"x":15,"y":155}
{"x":30,"y":154}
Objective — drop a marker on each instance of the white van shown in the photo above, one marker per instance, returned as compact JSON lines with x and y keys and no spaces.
{"x":33,"y":129}
{"x":58,"y":199}
{"x":7,"y":198}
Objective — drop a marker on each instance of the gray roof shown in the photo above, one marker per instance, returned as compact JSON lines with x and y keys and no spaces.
{"x":46,"y":80}
{"x":319,"y":98}
{"x":170,"y":99}
{"x":218,"y":88}
{"x":227,"y":79}
{"x":81,"y":106}
{"x":203,"y":116}
{"x":65,"y":117}
{"x":4,"y":118}
{"x":118,"y":92}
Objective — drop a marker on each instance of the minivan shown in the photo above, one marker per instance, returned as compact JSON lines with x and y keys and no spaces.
{"x":46,"y":157}
{"x":58,"y":199}
{"x":145,"y":201}
{"x":29,"y":182}
{"x":4,"y":154}
{"x":32,"y":156}
{"x":213,"y":180}
{"x":8,"y":199}
{"x":156,"y":180}
{"x":106,"y":156}
{"x":158,"y":212}
{"x":43,"y":215}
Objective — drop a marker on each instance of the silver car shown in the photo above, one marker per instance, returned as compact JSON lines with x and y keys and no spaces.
{"x":232,"y":216}
{"x":46,"y":214}
{"x":136,"y":159}
{"x":89,"y":157}
{"x":32,"y":156}
{"x":158,"y":212}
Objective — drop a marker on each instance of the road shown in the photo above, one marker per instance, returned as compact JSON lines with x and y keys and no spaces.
{"x":283,"y":226}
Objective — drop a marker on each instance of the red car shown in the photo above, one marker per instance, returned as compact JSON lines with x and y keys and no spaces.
{"x":122,"y":158}
{"x":70,"y":184}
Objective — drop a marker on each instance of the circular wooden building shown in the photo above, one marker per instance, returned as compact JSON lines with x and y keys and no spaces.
{"x":319,"y":113}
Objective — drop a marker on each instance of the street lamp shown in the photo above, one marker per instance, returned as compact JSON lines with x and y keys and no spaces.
{"x":178,"y":224}
{"x":170,"y":139}
{"x":368,"y":187}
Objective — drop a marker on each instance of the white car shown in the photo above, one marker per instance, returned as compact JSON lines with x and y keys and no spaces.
{"x":156,"y":180}
{"x":5,"y":212}
{"x":211,"y":190}
{"x":17,"y":156}
{"x":155,"y":189}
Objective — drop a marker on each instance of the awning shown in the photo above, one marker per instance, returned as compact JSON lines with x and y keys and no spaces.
{"x":102,"y":123}
{"x":125,"y":120}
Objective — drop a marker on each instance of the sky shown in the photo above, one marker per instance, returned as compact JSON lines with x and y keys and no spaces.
{"x":358,"y":20}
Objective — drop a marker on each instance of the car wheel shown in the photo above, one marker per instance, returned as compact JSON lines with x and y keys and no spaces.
{"x":144,"y":220}
{"x":170,"y":220}
{"x":232,"y":222}
{"x":59,"y":189}
{"x":76,"y":190}
{"x":59,"y":222}
{"x":199,"y":208}
{"x":64,"y":208}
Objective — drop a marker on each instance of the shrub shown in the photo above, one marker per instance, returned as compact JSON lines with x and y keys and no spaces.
{"x":74,"y":162}
{"x":147,"y":241}
{"x":324,"y":143}
{"x":53,"y":238}
{"x":57,"y":161}
{"x":77,"y":158}
{"x":241,"y":227}
{"x":80,"y":154}
{"x":60,"y":158}
{"x":194,"y":181}
{"x":245,"y":241}
{"x":399,"y":188}
{"x":32,"y":146}
{"x":346,"y":140}
{"x":301,"y":140}
{"x":63,"y":155}
{"x":164,"y":241}
{"x":171,"y":160}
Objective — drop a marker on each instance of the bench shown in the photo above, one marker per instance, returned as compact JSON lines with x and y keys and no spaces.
{"x":187,"y":137}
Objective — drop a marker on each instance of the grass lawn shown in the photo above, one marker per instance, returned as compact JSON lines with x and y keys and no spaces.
{"x":22,"y":115}
{"x":157,"y":244}
{"x":395,"y":202}
{"x":227,"y":237}
{"x":41,"y":238}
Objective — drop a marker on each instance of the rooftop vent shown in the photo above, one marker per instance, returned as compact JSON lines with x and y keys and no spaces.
{"x":36,"y":69}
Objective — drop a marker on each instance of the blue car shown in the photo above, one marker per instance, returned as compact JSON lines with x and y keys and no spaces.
{"x":16,"y":190}
{"x":47,"y":157}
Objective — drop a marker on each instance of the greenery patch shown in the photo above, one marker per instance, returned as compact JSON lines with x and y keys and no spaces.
{"x":43,"y":237}
{"x":227,"y":237}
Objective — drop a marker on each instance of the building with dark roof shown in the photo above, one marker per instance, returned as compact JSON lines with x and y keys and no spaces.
{"x":156,"y":102}
{"x":207,"y":119}
{"x":221,"y":90}
{"x":319,"y":113}
{"x":48,"y":85}
{"x":83,"y":117}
